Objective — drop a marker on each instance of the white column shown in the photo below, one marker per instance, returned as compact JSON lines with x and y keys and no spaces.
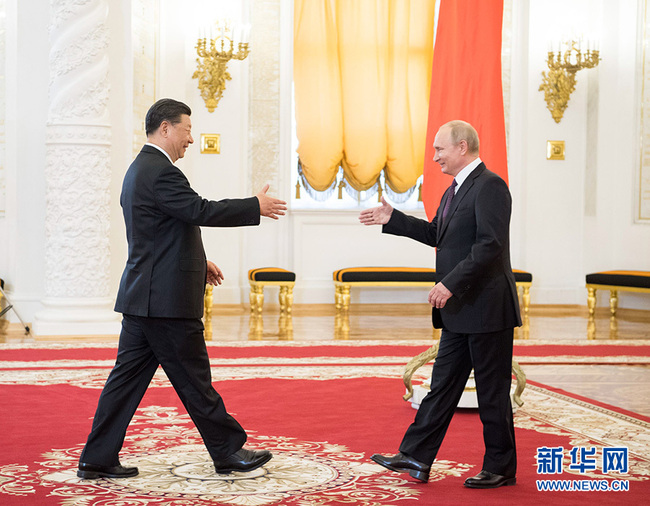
{"x":77,"y":257}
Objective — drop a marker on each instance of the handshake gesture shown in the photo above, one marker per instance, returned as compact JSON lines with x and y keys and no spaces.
{"x":379,"y":215}
{"x":269,"y":206}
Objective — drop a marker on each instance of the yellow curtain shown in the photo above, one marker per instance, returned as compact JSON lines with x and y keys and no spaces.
{"x":362,"y":71}
{"x":317,"y":92}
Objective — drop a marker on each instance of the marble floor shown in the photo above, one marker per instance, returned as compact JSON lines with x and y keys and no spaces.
{"x":625,"y":386}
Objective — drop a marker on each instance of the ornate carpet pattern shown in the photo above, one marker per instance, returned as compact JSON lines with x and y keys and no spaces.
{"x":176,"y":469}
{"x":321,"y":409}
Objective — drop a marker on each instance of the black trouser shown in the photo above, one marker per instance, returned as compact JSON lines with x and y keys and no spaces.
{"x":490,"y":355}
{"x":179,"y":346}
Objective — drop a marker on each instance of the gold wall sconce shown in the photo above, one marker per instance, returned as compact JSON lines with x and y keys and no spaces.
{"x":222,"y":42}
{"x":560,"y":81}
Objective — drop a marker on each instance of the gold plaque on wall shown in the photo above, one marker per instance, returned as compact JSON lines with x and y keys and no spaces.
{"x":210,"y":144}
{"x":555,"y":150}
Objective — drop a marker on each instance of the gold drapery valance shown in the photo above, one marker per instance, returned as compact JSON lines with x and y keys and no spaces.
{"x":362,"y":71}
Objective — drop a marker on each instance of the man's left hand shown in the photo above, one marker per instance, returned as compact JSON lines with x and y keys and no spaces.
{"x":439,"y":295}
{"x":215,"y":276}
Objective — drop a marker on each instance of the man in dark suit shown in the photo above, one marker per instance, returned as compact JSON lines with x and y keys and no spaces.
{"x":161,"y":298}
{"x":474,"y":302}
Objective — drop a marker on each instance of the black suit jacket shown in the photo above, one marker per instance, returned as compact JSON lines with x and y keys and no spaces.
{"x":473,"y":255}
{"x":166,"y":270}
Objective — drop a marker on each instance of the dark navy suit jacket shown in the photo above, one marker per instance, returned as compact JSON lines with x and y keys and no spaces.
{"x":166,"y":270}
{"x":473,"y":255}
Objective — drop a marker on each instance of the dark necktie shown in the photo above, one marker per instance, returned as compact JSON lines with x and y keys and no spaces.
{"x":450,"y":196}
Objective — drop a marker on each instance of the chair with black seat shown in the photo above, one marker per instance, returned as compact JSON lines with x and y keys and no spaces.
{"x":271,"y":276}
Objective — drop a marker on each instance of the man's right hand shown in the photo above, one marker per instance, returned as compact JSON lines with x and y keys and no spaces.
{"x":269,"y":206}
{"x":377,"y":215}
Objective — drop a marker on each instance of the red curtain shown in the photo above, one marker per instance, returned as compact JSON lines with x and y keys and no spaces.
{"x":466,"y":85}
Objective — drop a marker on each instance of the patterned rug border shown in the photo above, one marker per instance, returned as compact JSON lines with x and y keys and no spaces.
{"x":322,"y":360}
{"x":609,"y":411}
{"x":357,"y":343}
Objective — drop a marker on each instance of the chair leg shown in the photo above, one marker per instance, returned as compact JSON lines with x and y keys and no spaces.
{"x":342,"y":317}
{"x":286,"y":299}
{"x":526,"y":299}
{"x":259,"y":299}
{"x":338,"y":298}
{"x":591,"y":301}
{"x":282,"y":297}
{"x":591,"y":305}
{"x":525,"y":318}
{"x":207,"y":312}
{"x":289,"y":306}
{"x":252,"y":297}
{"x":613,"y":302}
{"x":286,"y":305}
{"x":345,"y":298}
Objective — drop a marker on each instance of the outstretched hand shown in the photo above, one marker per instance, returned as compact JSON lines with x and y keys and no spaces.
{"x":377,"y":215}
{"x":269,"y":206}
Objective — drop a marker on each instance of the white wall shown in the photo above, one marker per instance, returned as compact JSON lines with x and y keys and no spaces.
{"x":612,"y":238}
{"x":121,"y":76}
{"x":559,"y":237}
{"x":23,"y":227}
{"x":552,"y":199}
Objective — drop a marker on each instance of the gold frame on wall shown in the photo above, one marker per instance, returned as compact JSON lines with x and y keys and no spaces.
{"x":210,"y":144}
{"x":555,"y":150}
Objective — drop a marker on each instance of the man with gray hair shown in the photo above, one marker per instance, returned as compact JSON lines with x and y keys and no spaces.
{"x":475,"y":304}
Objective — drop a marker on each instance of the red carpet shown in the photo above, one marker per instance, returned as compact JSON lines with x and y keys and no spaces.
{"x":597,"y":352}
{"x":322,"y":409}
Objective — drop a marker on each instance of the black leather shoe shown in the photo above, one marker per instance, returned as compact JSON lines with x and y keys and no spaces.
{"x":92,"y":472}
{"x":486,"y":479}
{"x":243,"y":460}
{"x":401,"y":463}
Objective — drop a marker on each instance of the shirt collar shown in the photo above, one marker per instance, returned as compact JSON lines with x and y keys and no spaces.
{"x":466,"y":171}
{"x":163,"y":151}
